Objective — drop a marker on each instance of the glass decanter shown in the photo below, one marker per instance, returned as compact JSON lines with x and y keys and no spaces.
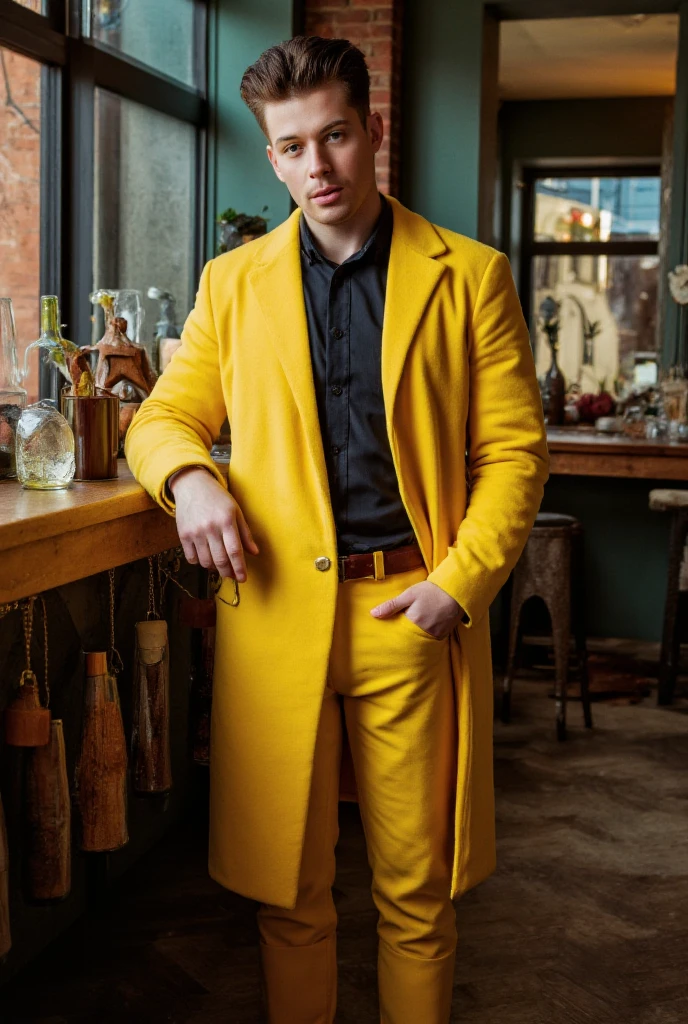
{"x":45,"y":448}
{"x":12,"y":396}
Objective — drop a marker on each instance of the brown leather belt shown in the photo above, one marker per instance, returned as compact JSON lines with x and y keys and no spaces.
{"x":378,"y":564}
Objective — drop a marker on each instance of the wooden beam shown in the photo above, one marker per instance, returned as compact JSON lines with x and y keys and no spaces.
{"x":527,"y":10}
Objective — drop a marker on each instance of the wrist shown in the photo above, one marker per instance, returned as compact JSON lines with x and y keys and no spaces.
{"x":185,"y":473}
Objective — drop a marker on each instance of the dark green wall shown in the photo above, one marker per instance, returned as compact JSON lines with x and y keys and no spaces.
{"x":573,"y":131}
{"x":239,"y":174}
{"x":441,"y":111}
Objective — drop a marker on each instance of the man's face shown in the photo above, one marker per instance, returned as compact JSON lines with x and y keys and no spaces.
{"x":321,"y":151}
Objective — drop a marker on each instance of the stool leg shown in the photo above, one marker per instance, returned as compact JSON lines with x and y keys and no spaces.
{"x":561,"y":635}
{"x":578,"y":616}
{"x":668,"y":665}
{"x":514,"y":626}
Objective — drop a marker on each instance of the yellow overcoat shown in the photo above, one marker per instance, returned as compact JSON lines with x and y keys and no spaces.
{"x":465,"y":424}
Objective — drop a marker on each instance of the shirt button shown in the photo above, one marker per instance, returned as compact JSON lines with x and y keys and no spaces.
{"x":323,"y":563}
{"x":335,"y":449}
{"x":336,"y":390}
{"x":338,"y":333}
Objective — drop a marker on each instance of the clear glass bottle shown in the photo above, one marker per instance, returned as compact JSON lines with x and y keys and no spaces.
{"x":45,"y":448}
{"x":12,"y":396}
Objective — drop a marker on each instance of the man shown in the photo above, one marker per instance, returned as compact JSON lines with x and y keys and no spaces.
{"x":388,"y":460}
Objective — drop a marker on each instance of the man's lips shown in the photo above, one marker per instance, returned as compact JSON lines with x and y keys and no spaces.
{"x":327,"y":195}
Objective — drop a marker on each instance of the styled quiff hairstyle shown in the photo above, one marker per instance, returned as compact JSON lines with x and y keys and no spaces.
{"x":304,"y":63}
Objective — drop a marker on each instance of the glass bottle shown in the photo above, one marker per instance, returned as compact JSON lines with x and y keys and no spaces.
{"x":12,"y":395}
{"x":50,"y":335}
{"x":45,"y":448}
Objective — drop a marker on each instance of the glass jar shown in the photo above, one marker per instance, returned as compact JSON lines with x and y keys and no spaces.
{"x":12,"y":396}
{"x":45,"y":448}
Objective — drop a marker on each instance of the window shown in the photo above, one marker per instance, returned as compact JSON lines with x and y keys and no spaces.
{"x":104,"y":123}
{"x":591,"y":243}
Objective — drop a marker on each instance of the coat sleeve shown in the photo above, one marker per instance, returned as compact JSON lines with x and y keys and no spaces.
{"x":507,"y":449}
{"x":176,"y":425}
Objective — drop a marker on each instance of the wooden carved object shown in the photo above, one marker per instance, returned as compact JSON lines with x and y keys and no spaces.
{"x":101,"y":774}
{"x":152,"y":771}
{"x":27,"y":724}
{"x":48,"y":820}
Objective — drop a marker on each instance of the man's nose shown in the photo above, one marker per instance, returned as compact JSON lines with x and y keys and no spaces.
{"x":318,"y":163}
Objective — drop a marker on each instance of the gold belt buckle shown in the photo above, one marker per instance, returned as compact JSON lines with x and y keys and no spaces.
{"x":378,"y":565}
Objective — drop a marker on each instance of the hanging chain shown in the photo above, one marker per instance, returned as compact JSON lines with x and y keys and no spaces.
{"x":116,"y":663}
{"x":152,"y":613}
{"x":27,"y":622}
{"x":46,"y":683}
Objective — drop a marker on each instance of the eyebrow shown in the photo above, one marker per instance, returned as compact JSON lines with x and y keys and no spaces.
{"x":327,"y":128}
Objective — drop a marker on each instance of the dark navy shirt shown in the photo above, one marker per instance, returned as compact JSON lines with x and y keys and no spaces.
{"x":345,"y":305}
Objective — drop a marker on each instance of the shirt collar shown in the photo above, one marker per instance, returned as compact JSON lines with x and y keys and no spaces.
{"x":378,"y":245}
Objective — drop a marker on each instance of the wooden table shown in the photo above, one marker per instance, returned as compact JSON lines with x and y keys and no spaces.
{"x":576,"y":451}
{"x":48,"y":538}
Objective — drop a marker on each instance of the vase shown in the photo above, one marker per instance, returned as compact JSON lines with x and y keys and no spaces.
{"x":553,"y":388}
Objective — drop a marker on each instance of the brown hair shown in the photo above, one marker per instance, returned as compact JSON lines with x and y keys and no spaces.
{"x":304,"y":63}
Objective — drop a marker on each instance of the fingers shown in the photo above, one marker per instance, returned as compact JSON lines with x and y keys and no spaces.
{"x":393,"y":605}
{"x":235,"y":552}
{"x":245,"y":532}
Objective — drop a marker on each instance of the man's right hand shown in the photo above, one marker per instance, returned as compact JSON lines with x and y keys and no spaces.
{"x":210,"y":524}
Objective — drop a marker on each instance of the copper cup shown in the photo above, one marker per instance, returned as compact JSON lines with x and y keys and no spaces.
{"x":95,"y":424}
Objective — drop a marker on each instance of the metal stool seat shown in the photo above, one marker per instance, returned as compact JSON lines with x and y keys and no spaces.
{"x":551,"y":567}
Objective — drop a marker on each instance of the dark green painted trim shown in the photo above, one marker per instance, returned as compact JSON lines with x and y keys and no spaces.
{"x":676,"y":318}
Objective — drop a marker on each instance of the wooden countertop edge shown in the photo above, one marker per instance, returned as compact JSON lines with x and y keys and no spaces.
{"x":104,"y":503}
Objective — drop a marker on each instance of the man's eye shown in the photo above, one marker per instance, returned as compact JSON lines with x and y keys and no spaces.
{"x":336,"y":135}
{"x":291,"y":149}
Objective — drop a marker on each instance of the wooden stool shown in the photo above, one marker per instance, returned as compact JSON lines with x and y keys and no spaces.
{"x":551,"y":567}
{"x":675,"y":502}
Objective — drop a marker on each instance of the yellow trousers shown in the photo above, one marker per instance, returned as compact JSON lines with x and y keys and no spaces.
{"x":394,"y":681}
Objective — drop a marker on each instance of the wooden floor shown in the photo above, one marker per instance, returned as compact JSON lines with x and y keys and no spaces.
{"x":584,"y":922}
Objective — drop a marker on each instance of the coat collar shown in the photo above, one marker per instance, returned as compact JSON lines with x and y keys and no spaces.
{"x":412,"y":278}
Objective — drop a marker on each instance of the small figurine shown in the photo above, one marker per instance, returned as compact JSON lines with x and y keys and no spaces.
{"x":123,"y":368}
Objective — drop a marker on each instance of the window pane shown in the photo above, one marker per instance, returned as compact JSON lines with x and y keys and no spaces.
{"x":596,"y":209}
{"x":145,"y":206}
{"x":39,"y":6}
{"x":20,"y":199}
{"x":612,"y":297}
{"x":159,"y":33}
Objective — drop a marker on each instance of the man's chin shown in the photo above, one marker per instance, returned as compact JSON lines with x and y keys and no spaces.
{"x":336,"y":214}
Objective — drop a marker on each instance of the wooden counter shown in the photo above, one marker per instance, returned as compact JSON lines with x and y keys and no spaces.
{"x":48,"y":538}
{"x":576,"y":451}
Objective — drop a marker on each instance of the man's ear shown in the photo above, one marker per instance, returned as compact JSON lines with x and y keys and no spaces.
{"x":376,"y":130}
{"x":271,"y":157}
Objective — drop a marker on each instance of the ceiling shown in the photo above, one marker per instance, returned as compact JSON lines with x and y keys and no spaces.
{"x":584,"y":57}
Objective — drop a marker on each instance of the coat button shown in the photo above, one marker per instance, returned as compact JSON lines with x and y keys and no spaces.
{"x":338,"y":333}
{"x":323,"y":563}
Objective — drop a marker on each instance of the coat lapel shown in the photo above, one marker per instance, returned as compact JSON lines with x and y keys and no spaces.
{"x":412,"y":278}
{"x":277,"y":285}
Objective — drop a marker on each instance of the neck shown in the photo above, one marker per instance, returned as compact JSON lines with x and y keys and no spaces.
{"x":339,"y":241}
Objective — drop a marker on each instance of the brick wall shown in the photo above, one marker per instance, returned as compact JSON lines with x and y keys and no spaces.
{"x":375,"y":26}
{"x":20,"y":118}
